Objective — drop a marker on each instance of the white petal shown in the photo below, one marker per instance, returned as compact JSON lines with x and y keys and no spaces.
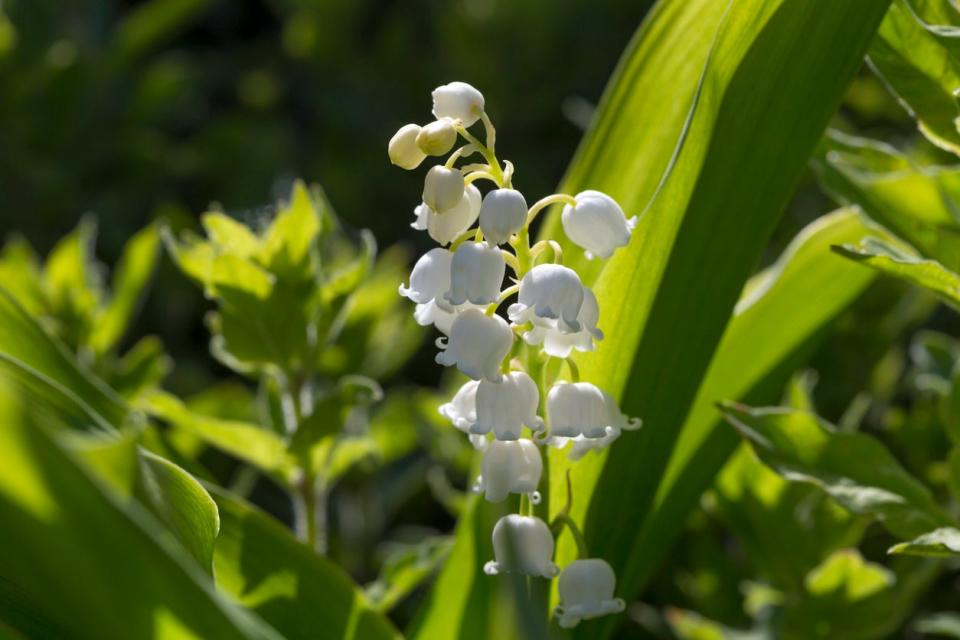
{"x":577,"y":408}
{"x":445,"y":227}
{"x":502,"y":214}
{"x":522,"y":544}
{"x":510,"y":467}
{"x":478,"y":344}
{"x":597,"y":224}
{"x":586,"y":590}
{"x":430,"y":277}
{"x":443,"y":188}
{"x":477,"y":271}
{"x":458,"y":100}
{"x":403,"y":149}
{"x":462,"y":408}
{"x":551,"y":296}
{"x":506,"y":405}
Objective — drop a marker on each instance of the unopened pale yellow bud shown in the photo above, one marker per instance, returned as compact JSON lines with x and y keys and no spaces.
{"x":403,"y":148}
{"x":437,"y":138}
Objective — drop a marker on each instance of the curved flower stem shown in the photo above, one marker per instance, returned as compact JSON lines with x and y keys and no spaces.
{"x":486,"y":151}
{"x":543,"y":203}
{"x":481,"y":175}
{"x":509,"y":291}
{"x":460,"y":239}
{"x":564,"y":520}
{"x":543,"y":245}
{"x":573,"y":368}
{"x":511,"y":261}
{"x":462,"y":152}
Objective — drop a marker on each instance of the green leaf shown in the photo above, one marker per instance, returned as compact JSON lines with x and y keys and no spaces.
{"x":853,"y":468}
{"x":20,"y":274}
{"x":289,"y":244}
{"x":845,"y":575}
{"x":147,"y":26}
{"x":764,"y":342}
{"x":140,"y":369}
{"x":918,"y":203}
{"x":260,"y":565}
{"x":181,"y":503}
{"x":774,"y":73}
{"x":76,"y":555}
{"x":262,"y":448}
{"x":905,"y":265}
{"x":72,"y":283}
{"x":34,"y":358}
{"x":130,"y":280}
{"x":921,"y":69}
{"x":940,"y":543}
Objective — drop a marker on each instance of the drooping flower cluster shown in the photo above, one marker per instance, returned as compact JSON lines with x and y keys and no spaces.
{"x":458,"y":288}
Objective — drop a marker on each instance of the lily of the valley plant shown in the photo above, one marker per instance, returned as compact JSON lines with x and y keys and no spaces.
{"x":516,"y":399}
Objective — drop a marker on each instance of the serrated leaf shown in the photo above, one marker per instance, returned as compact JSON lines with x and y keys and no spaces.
{"x":853,"y":468}
{"x":939,"y":543}
{"x":72,"y":284}
{"x":904,"y":265}
{"x":289,"y":244}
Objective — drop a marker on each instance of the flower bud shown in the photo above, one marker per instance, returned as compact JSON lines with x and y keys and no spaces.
{"x":458,"y":100}
{"x":504,"y":406}
{"x":443,"y":188}
{"x":586,"y":591}
{"x":510,"y":467}
{"x":502,"y":214}
{"x":581,"y":408}
{"x":522,"y":544}
{"x":403,"y":149}
{"x":597,"y":224}
{"x":445,"y":227}
{"x":550,"y":296}
{"x":476,"y":273}
{"x":430,"y":277}
{"x":477,"y":346}
{"x":437,"y":138}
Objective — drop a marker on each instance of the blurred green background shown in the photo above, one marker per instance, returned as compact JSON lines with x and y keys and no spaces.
{"x":134,"y":111}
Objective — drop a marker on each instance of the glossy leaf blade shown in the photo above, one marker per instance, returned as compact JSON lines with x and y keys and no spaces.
{"x":303,"y":595}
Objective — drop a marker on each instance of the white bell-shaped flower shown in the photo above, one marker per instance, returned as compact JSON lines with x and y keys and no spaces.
{"x":431,"y":313}
{"x":506,"y":405}
{"x":445,"y":227}
{"x":597,"y":224}
{"x":458,"y":100}
{"x":581,"y":408}
{"x":437,"y":138}
{"x":550,"y":296}
{"x":559,"y":344}
{"x":430,"y":277}
{"x":586,"y":591}
{"x":443,"y":188}
{"x":462,"y":408}
{"x":502,"y":214}
{"x":477,"y":345}
{"x":476,"y":273}
{"x":403,"y":149}
{"x":522,"y":544}
{"x":510,"y":467}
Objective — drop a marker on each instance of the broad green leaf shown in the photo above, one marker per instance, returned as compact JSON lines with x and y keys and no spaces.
{"x":182,"y":504}
{"x":262,"y":448}
{"x":918,"y":203}
{"x":688,"y":625}
{"x":764,"y":342}
{"x":920,"y":68}
{"x":775,"y":74}
{"x":905,"y":265}
{"x":940,"y":543}
{"x":35,"y":358}
{"x":20,"y":273}
{"x":73,"y":556}
{"x":229,"y":235}
{"x":141,"y":368}
{"x":855,"y":469}
{"x":130,"y":280}
{"x":170,"y":493}
{"x":303,"y":595}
